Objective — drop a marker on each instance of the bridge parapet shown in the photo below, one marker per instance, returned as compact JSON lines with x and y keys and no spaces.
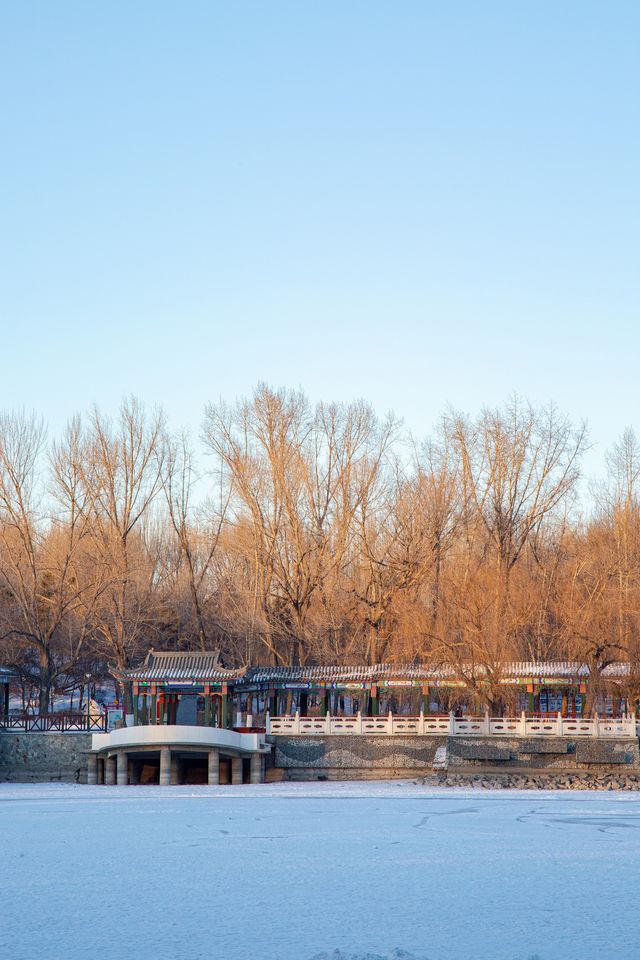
{"x":553,"y":725}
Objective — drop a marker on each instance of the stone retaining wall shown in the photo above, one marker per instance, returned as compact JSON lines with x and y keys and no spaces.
{"x":385,"y":757}
{"x":43,"y":757}
{"x":547,"y":753}
{"x":63,"y":756}
{"x":351,"y":757}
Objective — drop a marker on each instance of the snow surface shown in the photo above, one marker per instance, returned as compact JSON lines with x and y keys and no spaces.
{"x":330,"y":871}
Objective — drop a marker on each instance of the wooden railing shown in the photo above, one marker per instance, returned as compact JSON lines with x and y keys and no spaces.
{"x":553,"y":725}
{"x":57,"y":722}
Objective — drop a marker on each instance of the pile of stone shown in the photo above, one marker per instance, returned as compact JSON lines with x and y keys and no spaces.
{"x":522,"y":781}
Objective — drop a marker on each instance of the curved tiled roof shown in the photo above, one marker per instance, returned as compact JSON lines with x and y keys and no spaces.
{"x":381,"y":671}
{"x":206,"y":666}
{"x":186,"y":665}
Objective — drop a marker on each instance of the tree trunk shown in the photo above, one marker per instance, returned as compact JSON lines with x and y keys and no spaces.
{"x":44,"y":682}
{"x":195,"y":599}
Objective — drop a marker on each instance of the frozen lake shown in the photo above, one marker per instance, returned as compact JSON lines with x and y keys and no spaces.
{"x":290,"y":871}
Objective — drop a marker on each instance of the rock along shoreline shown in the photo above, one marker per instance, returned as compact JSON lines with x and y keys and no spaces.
{"x":534,"y":781}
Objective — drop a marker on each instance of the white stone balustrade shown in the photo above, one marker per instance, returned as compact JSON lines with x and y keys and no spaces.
{"x":553,"y":725}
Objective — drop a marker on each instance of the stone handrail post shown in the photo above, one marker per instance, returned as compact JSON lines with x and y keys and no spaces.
{"x":487,"y":724}
{"x":267,"y":721}
{"x":452,"y":723}
{"x":559,"y":724}
{"x":523,"y":724}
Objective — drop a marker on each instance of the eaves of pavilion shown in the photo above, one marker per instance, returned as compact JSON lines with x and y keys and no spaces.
{"x":202,"y":673}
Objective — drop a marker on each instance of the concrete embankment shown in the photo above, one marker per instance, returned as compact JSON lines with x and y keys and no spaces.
{"x":44,"y":757}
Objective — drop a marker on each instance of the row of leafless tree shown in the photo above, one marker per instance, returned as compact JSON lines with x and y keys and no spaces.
{"x":314,"y":534}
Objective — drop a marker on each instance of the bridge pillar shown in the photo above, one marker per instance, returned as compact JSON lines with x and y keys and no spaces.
{"x":214,"y":768}
{"x":174,"y":778}
{"x":256,"y":768}
{"x":165,"y":766}
{"x":236,"y":770}
{"x":123,"y":769}
{"x":110,"y":771}
{"x":92,"y":769}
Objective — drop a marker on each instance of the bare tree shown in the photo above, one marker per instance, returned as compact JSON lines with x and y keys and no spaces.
{"x":122,"y":465}
{"x":393,"y":552}
{"x":197,"y":543}
{"x":519,"y":464}
{"x":323,"y":538}
{"x":297,"y":477}
{"x":51,"y":587}
{"x":619,"y":514}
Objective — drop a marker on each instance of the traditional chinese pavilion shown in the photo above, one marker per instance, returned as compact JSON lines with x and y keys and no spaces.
{"x":170,"y":688}
{"x":194,"y":720}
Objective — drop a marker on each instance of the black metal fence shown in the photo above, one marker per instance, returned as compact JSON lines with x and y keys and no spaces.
{"x":59,"y":722}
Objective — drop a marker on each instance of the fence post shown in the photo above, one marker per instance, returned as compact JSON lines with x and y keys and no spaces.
{"x":452,"y":723}
{"x":327,"y":722}
{"x":297,"y":728}
{"x":487,"y":724}
{"x":596,"y":725}
{"x":559,"y":724}
{"x":421,"y":724}
{"x":390,"y":722}
{"x":359,"y":722}
{"x":267,"y":722}
{"x":523,"y":724}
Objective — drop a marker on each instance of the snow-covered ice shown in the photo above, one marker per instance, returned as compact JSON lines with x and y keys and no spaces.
{"x":335,"y":871}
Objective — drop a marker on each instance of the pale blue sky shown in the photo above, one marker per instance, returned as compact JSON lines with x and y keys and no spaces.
{"x":418,"y":203}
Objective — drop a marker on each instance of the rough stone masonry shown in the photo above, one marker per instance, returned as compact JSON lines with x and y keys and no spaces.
{"x":44,"y":757}
{"x":382,"y":757}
